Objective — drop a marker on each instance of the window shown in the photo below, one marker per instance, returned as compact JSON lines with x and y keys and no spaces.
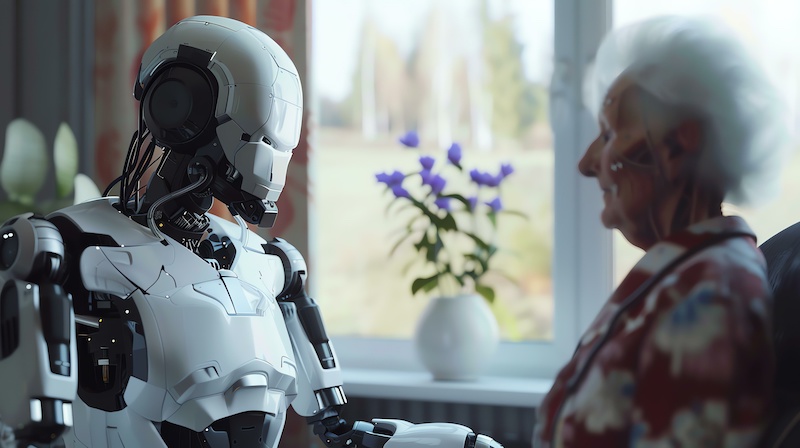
{"x":472,"y":72}
{"x":769,"y":29}
{"x":373,"y":80}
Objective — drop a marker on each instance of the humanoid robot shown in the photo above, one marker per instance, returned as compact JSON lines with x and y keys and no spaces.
{"x":144,"y":321}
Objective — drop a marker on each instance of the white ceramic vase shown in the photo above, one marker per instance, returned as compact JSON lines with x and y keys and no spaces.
{"x":456,"y":337}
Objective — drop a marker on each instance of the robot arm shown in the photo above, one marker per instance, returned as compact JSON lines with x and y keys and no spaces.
{"x":38,"y":360}
{"x":320,"y":396}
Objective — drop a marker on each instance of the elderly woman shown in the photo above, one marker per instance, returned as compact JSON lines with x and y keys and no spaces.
{"x":681,"y":353}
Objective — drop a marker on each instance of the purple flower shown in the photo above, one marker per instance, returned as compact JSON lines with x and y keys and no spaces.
{"x":395,"y":178}
{"x":426,"y":176}
{"x":476,"y":176}
{"x":443,"y":203}
{"x":410,"y":139}
{"x":437,"y":184}
{"x":383,"y":178}
{"x":454,"y":153}
{"x":492,"y":181}
{"x":485,"y":179}
{"x":473,"y":202}
{"x":506,"y":169}
{"x":427,"y":162}
{"x":400,"y":192}
{"x":495,"y":204}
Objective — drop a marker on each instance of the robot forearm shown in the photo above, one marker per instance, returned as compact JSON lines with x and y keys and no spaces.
{"x":385,"y":433}
{"x":38,"y":360}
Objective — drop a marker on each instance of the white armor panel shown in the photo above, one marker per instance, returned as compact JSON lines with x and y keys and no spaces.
{"x":217,"y":344}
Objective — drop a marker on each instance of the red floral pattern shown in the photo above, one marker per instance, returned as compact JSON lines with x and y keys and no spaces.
{"x":689,"y":365}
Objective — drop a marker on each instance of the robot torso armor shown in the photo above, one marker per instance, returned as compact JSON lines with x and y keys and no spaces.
{"x":167,"y":336}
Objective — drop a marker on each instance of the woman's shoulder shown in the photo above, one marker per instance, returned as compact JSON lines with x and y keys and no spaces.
{"x":733,"y":263}
{"x":728,"y":280}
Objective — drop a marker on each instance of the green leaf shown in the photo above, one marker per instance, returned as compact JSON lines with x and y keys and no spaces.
{"x":514,"y":213}
{"x":480,"y":260}
{"x":478,"y":241}
{"x":449,"y":223}
{"x":492,"y":250}
{"x":459,"y":278}
{"x":434,"y":249}
{"x":458,"y":198}
{"x":407,"y":267}
{"x":435,"y":220}
{"x":486,"y":292}
{"x":395,"y":200}
{"x":493,"y":219}
{"x":399,"y":242}
{"x":409,"y":232}
{"x":65,"y":159}
{"x":426,"y":284}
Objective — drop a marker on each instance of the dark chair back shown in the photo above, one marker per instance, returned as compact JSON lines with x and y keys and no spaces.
{"x":782,"y":253}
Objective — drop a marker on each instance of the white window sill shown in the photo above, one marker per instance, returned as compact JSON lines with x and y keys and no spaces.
{"x":499,"y":391}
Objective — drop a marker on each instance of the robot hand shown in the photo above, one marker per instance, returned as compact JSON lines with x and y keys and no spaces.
{"x":387,"y":433}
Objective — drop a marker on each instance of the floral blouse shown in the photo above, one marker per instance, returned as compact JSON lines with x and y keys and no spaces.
{"x":689,"y":365}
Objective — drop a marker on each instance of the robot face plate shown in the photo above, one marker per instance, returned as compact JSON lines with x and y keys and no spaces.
{"x":259,"y":101}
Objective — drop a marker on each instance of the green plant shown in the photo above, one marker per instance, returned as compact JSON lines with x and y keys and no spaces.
{"x":452,"y":232}
{"x":24,"y":170}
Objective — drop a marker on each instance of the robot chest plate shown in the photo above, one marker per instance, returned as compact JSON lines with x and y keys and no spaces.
{"x":217,"y":348}
{"x":205,"y":330}
{"x":223,"y":327}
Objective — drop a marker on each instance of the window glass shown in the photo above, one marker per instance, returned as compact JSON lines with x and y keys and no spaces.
{"x":466,"y":71}
{"x":769,"y":28}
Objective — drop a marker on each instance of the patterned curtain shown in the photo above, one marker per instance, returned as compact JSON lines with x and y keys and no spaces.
{"x":123,"y":31}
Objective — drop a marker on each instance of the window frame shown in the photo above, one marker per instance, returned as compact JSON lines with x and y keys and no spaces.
{"x":582,"y":256}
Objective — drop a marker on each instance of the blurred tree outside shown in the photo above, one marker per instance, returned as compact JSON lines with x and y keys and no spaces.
{"x":516,"y":103}
{"x":438,"y":89}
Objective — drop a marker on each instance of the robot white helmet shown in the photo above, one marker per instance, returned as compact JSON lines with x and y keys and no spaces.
{"x":211,"y":81}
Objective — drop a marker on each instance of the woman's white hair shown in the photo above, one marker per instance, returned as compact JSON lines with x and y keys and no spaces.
{"x":698,"y":65}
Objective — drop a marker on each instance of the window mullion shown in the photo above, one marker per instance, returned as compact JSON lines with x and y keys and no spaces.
{"x":582,"y":256}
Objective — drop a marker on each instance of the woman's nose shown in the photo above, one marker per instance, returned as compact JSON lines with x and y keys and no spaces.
{"x":588,"y":165}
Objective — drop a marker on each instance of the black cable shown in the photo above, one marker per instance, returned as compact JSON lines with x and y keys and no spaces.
{"x":111,"y":185}
{"x":131,"y":161}
{"x":138,"y":174}
{"x":175,"y":194}
{"x":121,"y":178}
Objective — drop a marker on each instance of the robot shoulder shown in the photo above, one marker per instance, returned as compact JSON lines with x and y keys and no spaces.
{"x":124,"y":255}
{"x":98,"y":223}
{"x":31,"y":249}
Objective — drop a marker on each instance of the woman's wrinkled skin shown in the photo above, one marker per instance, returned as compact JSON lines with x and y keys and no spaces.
{"x":642,"y":160}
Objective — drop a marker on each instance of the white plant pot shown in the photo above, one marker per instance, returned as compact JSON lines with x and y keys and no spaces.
{"x":456,"y":337}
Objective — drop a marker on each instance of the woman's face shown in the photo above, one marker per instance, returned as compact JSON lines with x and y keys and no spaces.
{"x":629,"y":171}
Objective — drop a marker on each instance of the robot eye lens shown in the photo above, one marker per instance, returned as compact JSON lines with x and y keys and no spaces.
{"x":171,"y":104}
{"x":8,"y":250}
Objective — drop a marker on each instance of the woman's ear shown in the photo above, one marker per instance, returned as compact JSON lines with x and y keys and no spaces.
{"x":687,"y":137}
{"x":683,"y":144}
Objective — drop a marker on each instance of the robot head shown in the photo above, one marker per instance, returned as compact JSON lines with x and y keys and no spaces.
{"x":221,"y":89}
